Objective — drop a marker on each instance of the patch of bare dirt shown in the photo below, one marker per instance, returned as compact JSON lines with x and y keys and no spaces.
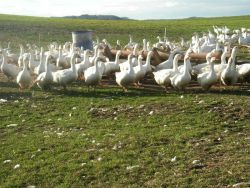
{"x":231,"y":111}
{"x":133,"y":111}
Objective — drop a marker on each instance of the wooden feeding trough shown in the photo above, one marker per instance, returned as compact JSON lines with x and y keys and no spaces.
{"x":158,"y":55}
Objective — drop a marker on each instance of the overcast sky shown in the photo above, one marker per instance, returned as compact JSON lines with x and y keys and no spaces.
{"x":136,"y":9}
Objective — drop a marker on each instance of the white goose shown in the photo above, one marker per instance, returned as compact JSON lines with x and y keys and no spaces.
{"x":24,"y":78}
{"x":61,"y":60}
{"x":147,"y":66}
{"x":162,"y":77}
{"x":66,"y":76}
{"x":92,"y":59}
{"x":10,"y":70}
{"x":229,"y":75}
{"x":81,"y":67}
{"x":124,"y":66}
{"x":244,"y":72}
{"x":207,"y":79}
{"x":20,"y":58}
{"x":118,"y":45}
{"x":45,"y":79}
{"x":113,"y":66}
{"x":197,"y":69}
{"x":168,"y":64}
{"x":181,"y":80}
{"x":126,"y":77}
{"x":92,"y":75}
{"x":41,"y":67}
{"x":139,"y":71}
{"x":32,"y":62}
{"x":220,"y":67}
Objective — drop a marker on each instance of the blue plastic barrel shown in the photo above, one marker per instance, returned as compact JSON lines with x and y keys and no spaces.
{"x":83,"y":39}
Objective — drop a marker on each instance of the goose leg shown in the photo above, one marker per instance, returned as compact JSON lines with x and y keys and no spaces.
{"x":64,"y":88}
{"x":125,"y":89}
{"x":166,"y":88}
{"x":139,"y":84}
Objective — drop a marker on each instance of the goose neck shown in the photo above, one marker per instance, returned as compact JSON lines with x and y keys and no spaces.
{"x":223,"y":58}
{"x":175,"y":65}
{"x":60,"y":53}
{"x":72,"y":62}
{"x":171,"y":56}
{"x":117,"y":58}
{"x":129,"y":65}
{"x":25,"y":64}
{"x":148,"y":59}
{"x":135,"y":49}
{"x":21,"y":50}
{"x":4,"y":60}
{"x":47,"y":64}
{"x":212,"y":66}
{"x":186,"y":61}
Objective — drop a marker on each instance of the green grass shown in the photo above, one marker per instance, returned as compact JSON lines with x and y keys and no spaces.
{"x":24,"y":29}
{"x":107,"y":138}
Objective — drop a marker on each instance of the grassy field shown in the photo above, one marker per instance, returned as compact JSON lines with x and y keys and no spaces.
{"x":107,"y":138}
{"x":20,"y":29}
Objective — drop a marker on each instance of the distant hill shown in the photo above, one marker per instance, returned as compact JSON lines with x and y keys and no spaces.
{"x":98,"y":17}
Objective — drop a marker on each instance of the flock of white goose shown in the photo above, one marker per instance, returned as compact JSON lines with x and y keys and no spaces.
{"x":65,"y":64}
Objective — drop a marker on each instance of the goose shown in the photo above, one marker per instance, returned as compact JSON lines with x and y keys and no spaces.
{"x":61,"y":61}
{"x":20,"y":58}
{"x":162,"y":77}
{"x":92,"y":59}
{"x":147,"y":66}
{"x":41,"y":67}
{"x":101,"y":65}
{"x":81,"y":67}
{"x":168,"y":64}
{"x":197,"y":69}
{"x":229,"y":75}
{"x":112,"y":66}
{"x":207,"y":79}
{"x":12,"y":57}
{"x":135,"y":52}
{"x":181,"y":80}
{"x":92,"y":75}
{"x":181,"y":68}
{"x":139,"y":71}
{"x":105,"y":41}
{"x":160,"y":43}
{"x":32,"y":62}
{"x":10,"y":70}
{"x":126,"y":77}
{"x":124,"y":66}
{"x":149,"y":47}
{"x":244,"y":72}
{"x":131,"y":44}
{"x":219,"y":67}
{"x":118,"y":45}
{"x":45,"y":79}
{"x":144,"y":41}
{"x":66,"y":76}
{"x":24,"y":78}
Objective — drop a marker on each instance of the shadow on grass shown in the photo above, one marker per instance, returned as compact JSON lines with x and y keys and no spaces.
{"x":8,"y":85}
{"x":110,"y":90}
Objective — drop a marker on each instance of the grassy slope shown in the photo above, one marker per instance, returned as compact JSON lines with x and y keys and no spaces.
{"x":92,"y":138}
{"x":27,"y":29}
